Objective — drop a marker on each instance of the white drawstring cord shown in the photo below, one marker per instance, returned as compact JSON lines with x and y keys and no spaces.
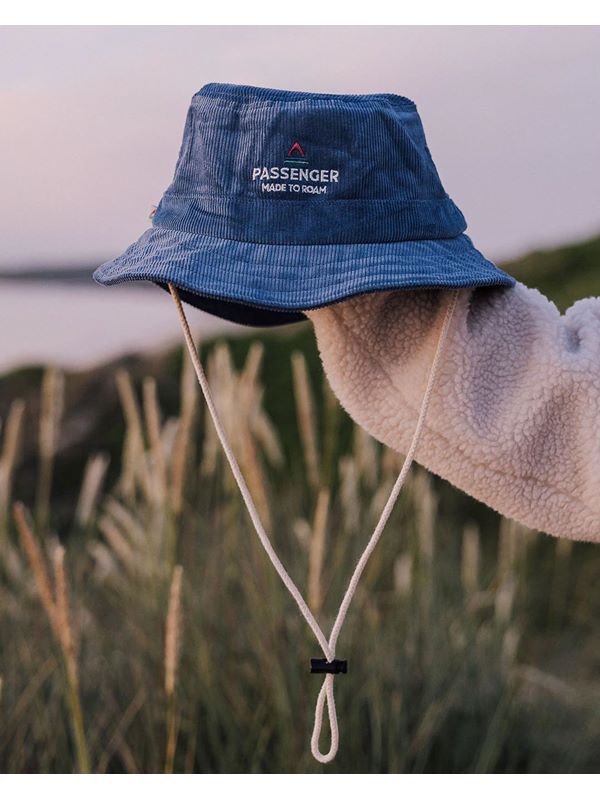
{"x":328,"y":647}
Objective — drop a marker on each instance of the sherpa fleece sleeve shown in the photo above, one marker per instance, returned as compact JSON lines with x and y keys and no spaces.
{"x":513,"y":419}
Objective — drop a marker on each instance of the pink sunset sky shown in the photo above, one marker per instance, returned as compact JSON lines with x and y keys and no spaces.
{"x":91,"y":121}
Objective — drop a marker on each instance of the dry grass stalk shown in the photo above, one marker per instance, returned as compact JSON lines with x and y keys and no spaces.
{"x":172,"y":648}
{"x":231,"y":407}
{"x":504,"y":601}
{"x":52,"y":406}
{"x":217,"y":373}
{"x":93,"y":477}
{"x":249,"y":395}
{"x":129,"y":403}
{"x":153,"y":426}
{"x":168,"y":436}
{"x":172,"y":631}
{"x":250,"y":373}
{"x":365,"y":450}
{"x":331,"y":411}
{"x":349,"y":493}
{"x":548,"y":683}
{"x":67,"y":642}
{"x":403,"y":574}
{"x":470,"y":560}
{"x":137,"y":533}
{"x":63,"y":620}
{"x":426,"y":506}
{"x":563,"y":548}
{"x":379,"y":498}
{"x":512,"y":548}
{"x":117,"y":743}
{"x":510,"y":646}
{"x":183,"y":437}
{"x":239,"y":402}
{"x":120,"y":546}
{"x":104,"y":560}
{"x":38,"y":567}
{"x":251,"y":391}
{"x":303,"y":533}
{"x":56,"y":606}
{"x":135,"y":453}
{"x":391,"y":463}
{"x":267,"y":437}
{"x":51,"y":411}
{"x":129,"y":458}
{"x":307,"y":424}
{"x":317,"y":551}
{"x":10,"y":451}
{"x":244,"y":426}
{"x":9,"y":455}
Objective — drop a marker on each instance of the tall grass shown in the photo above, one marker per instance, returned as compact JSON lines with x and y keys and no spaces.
{"x":157,"y":637}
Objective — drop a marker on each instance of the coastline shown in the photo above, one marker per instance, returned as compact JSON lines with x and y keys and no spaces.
{"x":76,"y":324}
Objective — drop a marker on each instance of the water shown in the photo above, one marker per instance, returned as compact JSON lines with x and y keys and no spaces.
{"x":77,"y":326}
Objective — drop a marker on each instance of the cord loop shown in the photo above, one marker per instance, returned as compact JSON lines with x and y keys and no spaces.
{"x":327,"y":646}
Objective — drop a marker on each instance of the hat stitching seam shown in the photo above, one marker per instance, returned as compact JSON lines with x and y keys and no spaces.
{"x":377,"y":243}
{"x":307,"y":201}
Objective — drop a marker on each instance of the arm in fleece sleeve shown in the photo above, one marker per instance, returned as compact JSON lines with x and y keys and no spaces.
{"x":513,"y":419}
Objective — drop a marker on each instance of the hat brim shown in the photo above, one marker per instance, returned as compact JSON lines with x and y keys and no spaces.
{"x":271,"y":284}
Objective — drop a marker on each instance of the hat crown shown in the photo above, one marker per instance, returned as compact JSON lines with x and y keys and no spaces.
{"x":284,"y":201}
{"x":239,"y":140}
{"x":278,"y":166}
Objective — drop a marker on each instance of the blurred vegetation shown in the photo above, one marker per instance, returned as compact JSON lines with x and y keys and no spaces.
{"x":142,"y":628}
{"x":565,"y":274}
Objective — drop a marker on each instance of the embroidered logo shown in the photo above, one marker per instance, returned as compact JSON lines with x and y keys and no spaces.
{"x":294,"y":177}
{"x":296,"y":155}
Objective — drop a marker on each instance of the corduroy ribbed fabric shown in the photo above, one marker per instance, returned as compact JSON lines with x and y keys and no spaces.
{"x":283,"y":201}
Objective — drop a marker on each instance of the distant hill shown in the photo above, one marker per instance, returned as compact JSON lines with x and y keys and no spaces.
{"x":564,"y":274}
{"x":80,"y":276}
{"x":49,"y":274}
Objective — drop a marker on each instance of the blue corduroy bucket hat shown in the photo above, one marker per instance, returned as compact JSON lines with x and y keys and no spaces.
{"x":284,"y":201}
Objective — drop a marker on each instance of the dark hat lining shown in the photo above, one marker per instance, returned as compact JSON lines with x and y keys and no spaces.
{"x":237,"y":311}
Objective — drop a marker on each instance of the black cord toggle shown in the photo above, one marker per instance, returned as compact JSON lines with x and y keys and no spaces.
{"x":321,"y":665}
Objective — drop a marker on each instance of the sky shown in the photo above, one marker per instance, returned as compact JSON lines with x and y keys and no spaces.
{"x":91,"y":121}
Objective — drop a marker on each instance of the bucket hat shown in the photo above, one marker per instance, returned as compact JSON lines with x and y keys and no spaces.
{"x":283,"y":201}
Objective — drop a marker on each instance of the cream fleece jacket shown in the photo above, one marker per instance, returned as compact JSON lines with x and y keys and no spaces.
{"x":513,"y":419}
